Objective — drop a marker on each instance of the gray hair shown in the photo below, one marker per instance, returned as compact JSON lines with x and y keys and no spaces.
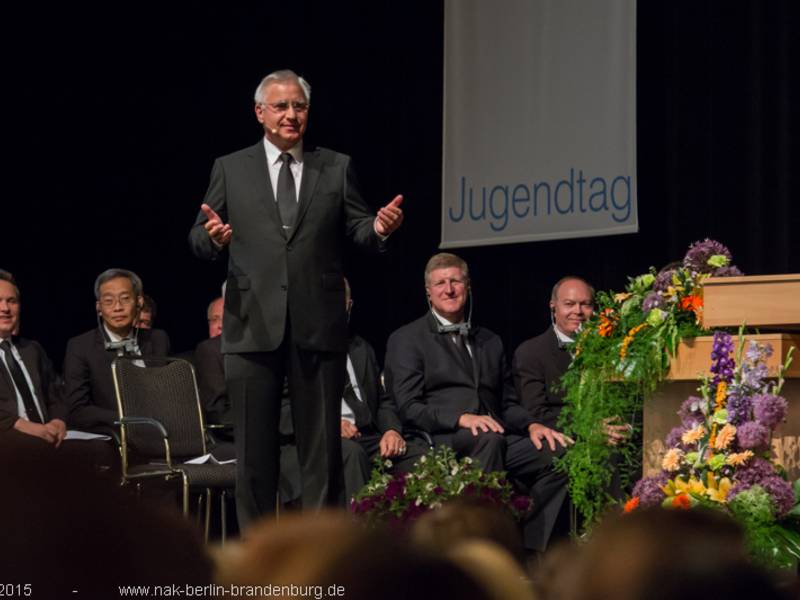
{"x":110,"y":274}
{"x":445,"y":260}
{"x":281,"y":76}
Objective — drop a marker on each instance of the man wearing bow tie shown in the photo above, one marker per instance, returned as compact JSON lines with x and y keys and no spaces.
{"x":451,"y":379}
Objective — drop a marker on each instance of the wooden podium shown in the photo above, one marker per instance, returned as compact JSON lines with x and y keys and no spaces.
{"x":765,"y":302}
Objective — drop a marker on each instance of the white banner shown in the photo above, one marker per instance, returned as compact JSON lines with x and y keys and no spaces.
{"x":539,"y":120}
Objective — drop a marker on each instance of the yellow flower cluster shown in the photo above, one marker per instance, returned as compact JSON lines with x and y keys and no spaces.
{"x":623,"y":351}
{"x":714,"y":489}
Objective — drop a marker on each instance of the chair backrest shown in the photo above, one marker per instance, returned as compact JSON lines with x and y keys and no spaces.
{"x":165,"y":389}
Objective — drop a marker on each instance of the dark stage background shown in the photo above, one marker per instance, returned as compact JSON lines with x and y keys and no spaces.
{"x":116,"y":114}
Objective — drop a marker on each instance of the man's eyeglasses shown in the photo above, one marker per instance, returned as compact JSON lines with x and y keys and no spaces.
{"x":110,"y":301}
{"x":282,"y":106}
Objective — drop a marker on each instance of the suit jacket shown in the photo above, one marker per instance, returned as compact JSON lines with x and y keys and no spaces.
{"x":90,"y":395}
{"x":432,"y":386}
{"x":539,"y":363}
{"x":45,"y":385}
{"x":382,"y":409}
{"x":211,"y":380}
{"x":272,"y":274}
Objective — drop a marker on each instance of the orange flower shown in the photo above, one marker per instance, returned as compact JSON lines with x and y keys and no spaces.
{"x":693,"y":303}
{"x":722,"y":393}
{"x":631,"y":504}
{"x":623,"y":351}
{"x":607,"y":322}
{"x":681,"y":501}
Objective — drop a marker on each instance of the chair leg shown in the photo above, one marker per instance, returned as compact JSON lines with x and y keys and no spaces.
{"x":208,"y":514}
{"x":223,"y":517}
{"x":199,"y":513}
{"x":185,"y":496}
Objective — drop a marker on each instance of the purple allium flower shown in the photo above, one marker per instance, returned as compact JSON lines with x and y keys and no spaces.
{"x":752,"y":435}
{"x":781,"y":492}
{"x":649,"y":491}
{"x":651,"y":301}
{"x":727,"y":271}
{"x":739,"y":407}
{"x":673,"y":439}
{"x":663,"y":280}
{"x":697,"y":256}
{"x":690,"y":412}
{"x":769,"y":410}
{"x":755,"y":471}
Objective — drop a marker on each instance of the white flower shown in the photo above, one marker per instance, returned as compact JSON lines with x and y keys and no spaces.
{"x":418,"y":501}
{"x":423,"y":459}
{"x":387,"y":464}
{"x":460,"y":487}
{"x":454,"y":470}
{"x":467,"y":460}
{"x":429,"y":487}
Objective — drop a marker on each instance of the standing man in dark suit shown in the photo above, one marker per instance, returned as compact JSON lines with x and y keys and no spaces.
{"x":451,"y":379}
{"x":370,"y":425}
{"x":90,"y":393}
{"x":30,"y":406}
{"x":283,"y":212}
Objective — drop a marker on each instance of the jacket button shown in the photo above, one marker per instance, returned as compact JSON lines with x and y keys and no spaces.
{"x":284,"y":287}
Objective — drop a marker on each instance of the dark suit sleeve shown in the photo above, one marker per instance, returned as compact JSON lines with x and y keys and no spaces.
{"x":82,"y":413}
{"x":52,"y":386}
{"x":199,"y":241}
{"x":405,"y":379}
{"x":359,"y":219}
{"x":211,"y":382}
{"x":161,"y":343}
{"x":530,"y":382}
{"x":514,"y":415}
{"x":386,"y":417}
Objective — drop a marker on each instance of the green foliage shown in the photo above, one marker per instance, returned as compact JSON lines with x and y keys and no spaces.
{"x":620,"y":357}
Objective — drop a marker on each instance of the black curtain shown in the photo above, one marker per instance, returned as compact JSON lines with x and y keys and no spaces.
{"x":114,"y":119}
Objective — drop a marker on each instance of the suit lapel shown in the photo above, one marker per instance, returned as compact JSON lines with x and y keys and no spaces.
{"x":262,"y":186}
{"x":312,"y":165}
{"x":30,"y":360}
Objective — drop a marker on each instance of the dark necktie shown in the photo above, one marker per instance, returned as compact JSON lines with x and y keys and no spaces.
{"x":463,"y":351}
{"x":287,"y":196}
{"x":22,"y":384}
{"x":359,"y":408}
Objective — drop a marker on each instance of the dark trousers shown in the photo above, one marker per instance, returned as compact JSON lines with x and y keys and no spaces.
{"x":255,"y":384}
{"x":531,"y":468}
{"x":358,"y":454}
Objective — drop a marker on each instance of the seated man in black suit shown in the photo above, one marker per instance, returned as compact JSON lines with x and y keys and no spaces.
{"x":30,"y":406}
{"x":211,"y":369}
{"x":370,"y":425}
{"x":451,"y":378}
{"x":540,"y":362}
{"x":87,"y":364}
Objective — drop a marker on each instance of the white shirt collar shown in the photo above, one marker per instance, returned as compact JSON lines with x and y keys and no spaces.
{"x":563,"y":338}
{"x":441,"y":319}
{"x":274,"y":153}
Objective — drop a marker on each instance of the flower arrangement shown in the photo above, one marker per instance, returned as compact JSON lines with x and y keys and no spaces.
{"x":620,"y":356}
{"x":437,"y":477}
{"x":719,"y":456}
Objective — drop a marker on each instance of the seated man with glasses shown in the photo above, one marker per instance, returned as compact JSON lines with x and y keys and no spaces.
{"x":87,"y":364}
